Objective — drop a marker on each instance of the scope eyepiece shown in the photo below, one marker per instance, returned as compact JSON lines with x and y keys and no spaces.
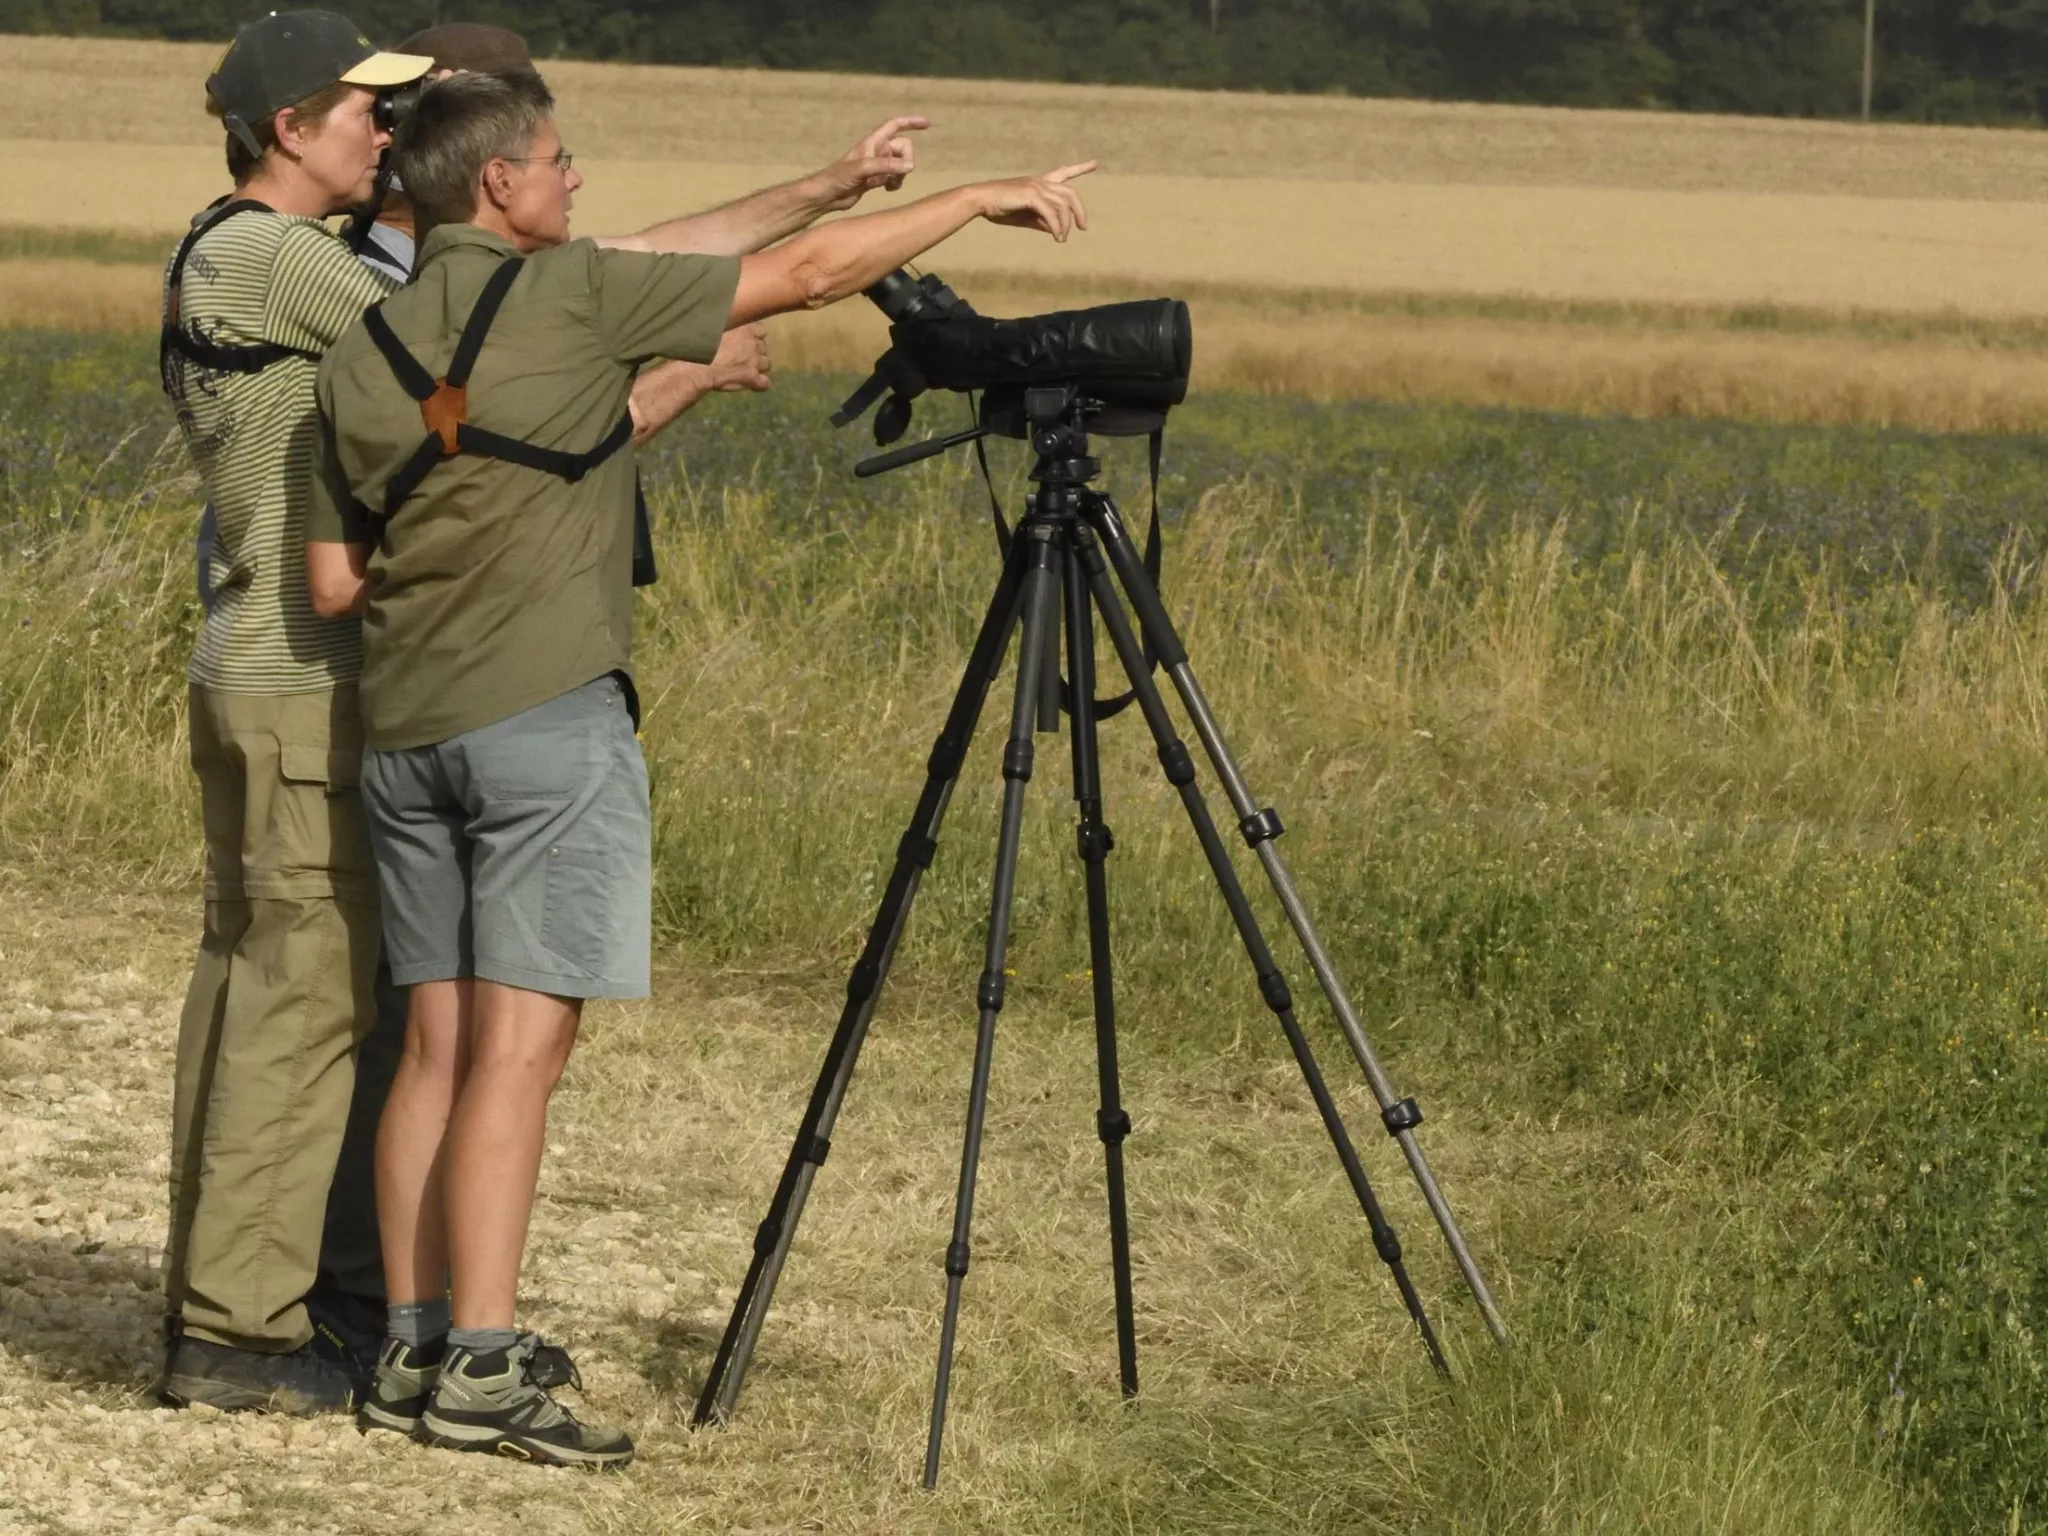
{"x":903,"y":297}
{"x":394,"y":105}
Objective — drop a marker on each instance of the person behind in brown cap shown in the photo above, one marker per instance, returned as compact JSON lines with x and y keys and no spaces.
{"x":459,"y":47}
{"x":282,"y":989}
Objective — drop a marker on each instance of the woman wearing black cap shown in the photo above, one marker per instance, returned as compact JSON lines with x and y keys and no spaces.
{"x":281,"y":990}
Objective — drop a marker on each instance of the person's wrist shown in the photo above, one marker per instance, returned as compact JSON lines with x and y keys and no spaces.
{"x":983,"y":199}
{"x":821,"y":190}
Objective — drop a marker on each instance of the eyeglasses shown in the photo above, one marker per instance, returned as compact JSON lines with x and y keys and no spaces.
{"x":561,"y":159}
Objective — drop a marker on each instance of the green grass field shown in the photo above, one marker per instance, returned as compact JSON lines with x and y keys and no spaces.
{"x":1670,"y":792}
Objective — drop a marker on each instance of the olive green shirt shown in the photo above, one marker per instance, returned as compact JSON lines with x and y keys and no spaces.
{"x":495,"y":587}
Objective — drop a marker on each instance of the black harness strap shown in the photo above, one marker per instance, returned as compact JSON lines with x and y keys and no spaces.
{"x":186,"y":340}
{"x":444,"y":403}
{"x":571,"y":467}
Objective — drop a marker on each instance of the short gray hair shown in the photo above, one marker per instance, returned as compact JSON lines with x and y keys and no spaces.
{"x":460,"y":126}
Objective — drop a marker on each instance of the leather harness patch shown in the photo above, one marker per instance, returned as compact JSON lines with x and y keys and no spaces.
{"x":443,"y":411}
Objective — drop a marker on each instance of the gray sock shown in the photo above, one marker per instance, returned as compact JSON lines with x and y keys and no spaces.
{"x":481,"y":1341}
{"x":417,"y":1322}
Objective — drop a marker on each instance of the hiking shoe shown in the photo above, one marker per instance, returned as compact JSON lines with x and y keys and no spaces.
{"x":349,"y":1331}
{"x":404,"y":1385}
{"x":234,"y":1380}
{"x":490,"y":1402}
{"x":403,"y":1381}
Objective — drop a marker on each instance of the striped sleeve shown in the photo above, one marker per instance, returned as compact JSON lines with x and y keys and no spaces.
{"x":318,"y":289}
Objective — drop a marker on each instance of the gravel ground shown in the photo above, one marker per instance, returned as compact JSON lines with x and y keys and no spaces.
{"x":84,"y":1072}
{"x":86,"y":1031}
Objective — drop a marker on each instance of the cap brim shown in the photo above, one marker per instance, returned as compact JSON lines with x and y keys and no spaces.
{"x":382,"y":69}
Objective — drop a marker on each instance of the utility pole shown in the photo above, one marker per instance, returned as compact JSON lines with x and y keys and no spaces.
{"x":1869,"y":54}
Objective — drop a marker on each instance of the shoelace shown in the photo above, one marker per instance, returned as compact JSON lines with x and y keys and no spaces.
{"x":549,"y":1365}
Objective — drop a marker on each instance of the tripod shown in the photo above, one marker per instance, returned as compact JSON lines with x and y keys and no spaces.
{"x":1057,"y":577}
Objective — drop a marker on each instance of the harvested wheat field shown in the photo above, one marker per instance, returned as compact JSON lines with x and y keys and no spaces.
{"x":1359,"y":205}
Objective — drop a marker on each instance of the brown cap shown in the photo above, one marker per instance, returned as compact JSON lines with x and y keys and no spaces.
{"x":470,"y":46}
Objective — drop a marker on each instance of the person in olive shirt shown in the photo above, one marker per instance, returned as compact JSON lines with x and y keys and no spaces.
{"x":506,"y":792}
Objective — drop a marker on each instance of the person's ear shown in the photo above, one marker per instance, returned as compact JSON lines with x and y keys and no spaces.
{"x":497,"y":183}
{"x":290,"y":134}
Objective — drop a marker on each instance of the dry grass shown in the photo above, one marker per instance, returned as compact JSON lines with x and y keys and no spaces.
{"x":1247,"y":200}
{"x":1367,"y":196}
{"x":1329,"y":348}
{"x":752,"y":117}
{"x":1585,"y":243}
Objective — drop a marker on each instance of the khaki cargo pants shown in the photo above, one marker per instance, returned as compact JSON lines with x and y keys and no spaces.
{"x":282,"y":993}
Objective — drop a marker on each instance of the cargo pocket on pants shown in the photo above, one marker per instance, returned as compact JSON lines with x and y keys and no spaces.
{"x":318,"y":827}
{"x":577,"y":921}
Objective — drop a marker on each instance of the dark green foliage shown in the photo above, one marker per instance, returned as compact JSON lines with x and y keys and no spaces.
{"x":1983,"y":61}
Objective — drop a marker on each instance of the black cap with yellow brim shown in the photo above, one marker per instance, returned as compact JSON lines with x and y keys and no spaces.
{"x":287,"y":56}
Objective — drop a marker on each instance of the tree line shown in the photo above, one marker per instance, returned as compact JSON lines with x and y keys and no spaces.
{"x":1974,"y":61}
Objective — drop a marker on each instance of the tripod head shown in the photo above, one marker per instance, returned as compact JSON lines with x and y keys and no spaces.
{"x":1117,"y":368}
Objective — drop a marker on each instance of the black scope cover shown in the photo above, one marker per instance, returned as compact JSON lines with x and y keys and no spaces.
{"x":1137,"y":353}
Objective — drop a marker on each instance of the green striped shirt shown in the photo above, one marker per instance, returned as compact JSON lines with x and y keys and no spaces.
{"x":258,"y":277}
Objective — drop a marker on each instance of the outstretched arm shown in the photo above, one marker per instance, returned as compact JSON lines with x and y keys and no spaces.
{"x":757,"y":221}
{"x":833,"y":262}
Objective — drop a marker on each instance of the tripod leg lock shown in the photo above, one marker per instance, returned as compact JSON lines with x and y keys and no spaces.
{"x":862,"y":981}
{"x":1094,"y":840}
{"x":946,"y":757}
{"x":1386,"y":1244}
{"x":767,"y":1235}
{"x":1088,"y":552}
{"x":819,"y":1149}
{"x":1261,"y":827}
{"x":1112,"y":1125}
{"x":1404,"y":1116}
{"x":956,"y":1259}
{"x":1179,"y":766}
{"x":1273,"y":988}
{"x":917,"y":849}
{"x":989,"y":995}
{"x":1017,"y":760}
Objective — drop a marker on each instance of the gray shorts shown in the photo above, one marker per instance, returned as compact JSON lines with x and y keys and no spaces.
{"x":519,"y":852}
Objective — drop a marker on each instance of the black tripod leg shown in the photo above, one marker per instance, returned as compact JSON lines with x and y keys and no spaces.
{"x":1261,"y":827}
{"x":913,"y":857}
{"x":1041,"y":591}
{"x":1180,"y":772}
{"x":1092,"y":836}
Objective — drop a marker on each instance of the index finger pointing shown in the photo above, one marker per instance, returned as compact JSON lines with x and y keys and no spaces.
{"x":896,"y":125}
{"x":1069,"y":172}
